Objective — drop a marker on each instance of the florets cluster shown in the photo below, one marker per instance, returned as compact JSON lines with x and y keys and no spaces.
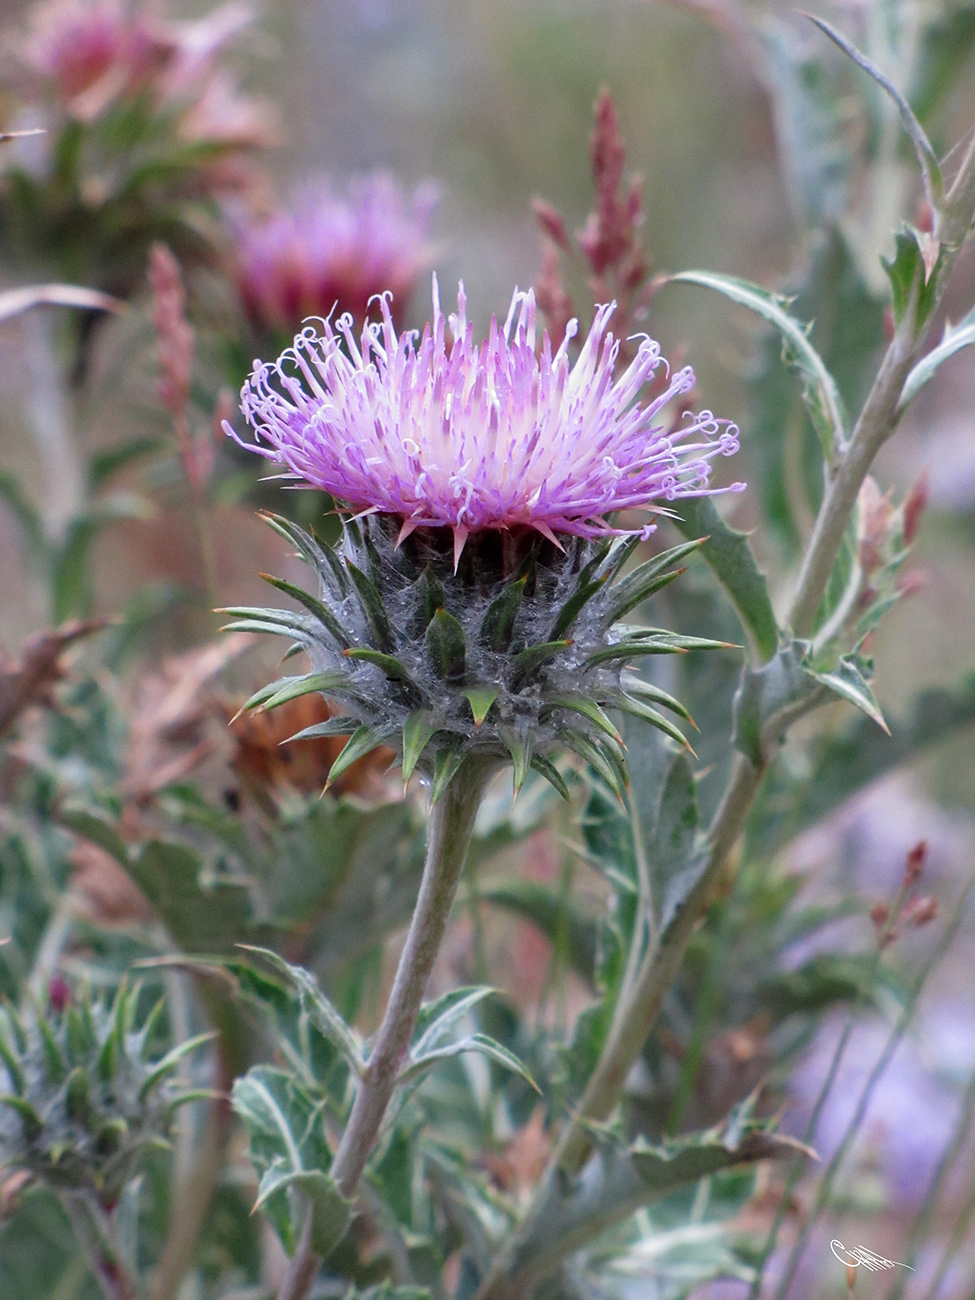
{"x":468,"y":436}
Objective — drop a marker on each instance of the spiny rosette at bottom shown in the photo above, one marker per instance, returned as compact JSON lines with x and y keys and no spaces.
{"x":516,"y":655}
{"x":81,"y":1096}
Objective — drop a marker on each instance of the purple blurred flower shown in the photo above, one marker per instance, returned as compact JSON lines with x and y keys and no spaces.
{"x":330,"y":250}
{"x":480,"y":436}
{"x":92,"y":52}
{"x":89,"y":51}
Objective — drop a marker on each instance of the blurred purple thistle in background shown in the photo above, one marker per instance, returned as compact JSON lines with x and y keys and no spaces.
{"x":330,"y":250}
{"x":88,"y":51}
{"x":481,"y":436}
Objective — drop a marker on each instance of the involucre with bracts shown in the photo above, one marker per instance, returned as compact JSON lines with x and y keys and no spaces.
{"x":516,"y":655}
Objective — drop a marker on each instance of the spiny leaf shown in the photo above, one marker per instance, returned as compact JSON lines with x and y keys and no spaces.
{"x":645,"y":690}
{"x":323,"y":1014}
{"x":446,"y":646}
{"x":498,"y":625}
{"x":481,"y":698}
{"x":545,"y":767}
{"x":292,"y":688}
{"x":597,"y":758}
{"x":527,"y":661}
{"x":520,"y":747}
{"x":331,"y":1213}
{"x":654,"y":642}
{"x":438,"y":1017}
{"x":341,"y":726}
{"x":574,"y":606}
{"x":362,"y":741}
{"x":393,"y":668}
{"x":906,"y":270}
{"x":576,"y":702}
{"x":480,"y":1043}
{"x":729,"y":555}
{"x":926,"y":157}
{"x":262,"y":626}
{"x":316,"y":553}
{"x":289,"y":618}
{"x":288,"y":1146}
{"x":418,"y":729}
{"x":768,"y":696}
{"x":820,"y":392}
{"x":445,"y":767}
{"x":954,"y":339}
{"x":637,"y":709}
{"x":620,"y":1179}
{"x":849,"y":679}
{"x":114,"y":1046}
{"x":168,"y":1063}
{"x":315,"y":607}
{"x":372,"y":606}
{"x":647,"y":578}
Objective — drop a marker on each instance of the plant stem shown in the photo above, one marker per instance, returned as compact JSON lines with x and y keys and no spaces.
{"x":634,"y":1020}
{"x":631,"y":1026}
{"x":655,"y":976}
{"x":92,"y":1230}
{"x":881,"y":411}
{"x":192,"y":1201}
{"x":49,"y":409}
{"x":451,"y":826}
{"x":303,"y":1266}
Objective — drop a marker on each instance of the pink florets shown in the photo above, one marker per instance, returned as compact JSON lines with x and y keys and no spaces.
{"x":476,"y":436}
{"x":331,"y":250}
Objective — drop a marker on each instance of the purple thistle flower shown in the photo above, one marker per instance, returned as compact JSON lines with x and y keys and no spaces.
{"x":331,"y":250}
{"x":481,"y":436}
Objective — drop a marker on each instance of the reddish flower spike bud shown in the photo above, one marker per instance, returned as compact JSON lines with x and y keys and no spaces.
{"x":915,"y":504}
{"x":914,"y":863}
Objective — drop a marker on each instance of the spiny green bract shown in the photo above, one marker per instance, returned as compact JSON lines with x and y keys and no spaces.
{"x":515,"y":656}
{"x":79,"y":1097}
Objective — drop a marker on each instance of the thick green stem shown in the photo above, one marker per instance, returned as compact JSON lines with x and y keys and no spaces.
{"x":451,"y":826}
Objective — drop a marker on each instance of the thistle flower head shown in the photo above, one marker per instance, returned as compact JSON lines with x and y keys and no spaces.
{"x":472,"y":604}
{"x":448,"y":433}
{"x":329,"y":249}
